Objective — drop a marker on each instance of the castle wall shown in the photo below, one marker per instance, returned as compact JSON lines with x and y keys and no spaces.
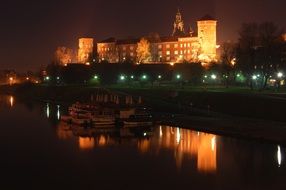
{"x":85,"y":49}
{"x":207,"y":34}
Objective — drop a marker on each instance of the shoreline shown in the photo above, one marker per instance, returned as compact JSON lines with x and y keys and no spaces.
{"x":210,"y":121}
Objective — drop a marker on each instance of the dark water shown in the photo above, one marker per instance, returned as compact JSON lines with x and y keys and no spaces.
{"x":39,"y":152}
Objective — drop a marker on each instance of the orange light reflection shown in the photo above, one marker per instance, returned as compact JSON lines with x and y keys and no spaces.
{"x":86,"y":143}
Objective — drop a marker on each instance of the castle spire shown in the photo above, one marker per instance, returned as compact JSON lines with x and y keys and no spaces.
{"x":178,"y":25}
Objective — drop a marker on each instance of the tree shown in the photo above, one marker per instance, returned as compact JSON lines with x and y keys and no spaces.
{"x":228,"y":61}
{"x":63,"y":55}
{"x":259,"y":51}
{"x":143,"y":51}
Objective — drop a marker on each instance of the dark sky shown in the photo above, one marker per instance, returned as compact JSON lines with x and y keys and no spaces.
{"x":32,"y":29}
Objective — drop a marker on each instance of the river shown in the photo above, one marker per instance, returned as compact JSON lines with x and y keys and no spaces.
{"x":39,"y":151}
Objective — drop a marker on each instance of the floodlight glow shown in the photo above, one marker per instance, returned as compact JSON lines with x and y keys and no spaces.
{"x":280,"y":75}
{"x":214,"y":77}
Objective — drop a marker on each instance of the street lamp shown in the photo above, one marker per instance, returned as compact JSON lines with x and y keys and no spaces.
{"x":214,"y":76}
{"x":280,"y":75}
{"x":95,"y":77}
{"x":178,"y":76}
{"x":254,"y":77}
{"x":122,"y":77}
{"x":159,"y":77}
{"x":132,"y":77}
{"x":144,"y":77}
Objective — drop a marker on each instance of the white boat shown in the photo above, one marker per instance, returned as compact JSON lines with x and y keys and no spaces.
{"x":103,"y":120}
{"x":137,"y":123}
{"x":76,"y":120}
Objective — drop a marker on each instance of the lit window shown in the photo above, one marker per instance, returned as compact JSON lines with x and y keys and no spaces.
{"x":185,"y":45}
{"x":160,"y":52}
{"x":189,"y":45}
{"x":176,"y":45}
{"x":168,"y":52}
{"x":181,"y":52}
{"x":160,"y":46}
{"x":168,"y":46}
{"x":124,"y":54}
{"x":131,"y":48}
{"x":131,"y":54}
{"x":189,"y":51}
{"x":168,"y":58}
{"x":176,"y":52}
{"x":124,"y":48}
{"x":181,"y":45}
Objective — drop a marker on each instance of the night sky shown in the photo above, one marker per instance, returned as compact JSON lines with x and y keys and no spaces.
{"x":32,"y":29}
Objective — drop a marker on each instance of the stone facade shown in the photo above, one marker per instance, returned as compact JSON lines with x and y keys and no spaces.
{"x":85,"y":50}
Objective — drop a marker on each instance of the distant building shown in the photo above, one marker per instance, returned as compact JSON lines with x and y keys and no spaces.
{"x":85,"y":50}
{"x":176,"y":48}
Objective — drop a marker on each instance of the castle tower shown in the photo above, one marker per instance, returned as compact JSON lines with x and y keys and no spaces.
{"x":207,"y":29}
{"x":85,"y":49}
{"x":178,"y":25}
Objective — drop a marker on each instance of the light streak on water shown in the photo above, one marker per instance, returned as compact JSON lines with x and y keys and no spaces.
{"x":279,"y":156}
{"x":58,"y":112}
{"x":178,"y":136}
{"x":11,"y":101}
{"x":213,"y":143}
{"x":48,"y":111}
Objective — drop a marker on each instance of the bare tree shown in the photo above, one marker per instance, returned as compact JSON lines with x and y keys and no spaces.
{"x":259,"y":50}
{"x":63,"y":55}
{"x":228,"y":60}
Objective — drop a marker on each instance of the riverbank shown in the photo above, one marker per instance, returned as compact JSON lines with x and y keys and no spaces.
{"x":253,"y":115}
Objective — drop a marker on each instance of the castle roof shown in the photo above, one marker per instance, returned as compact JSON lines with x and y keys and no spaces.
{"x":207,"y":17}
{"x":127,"y":41}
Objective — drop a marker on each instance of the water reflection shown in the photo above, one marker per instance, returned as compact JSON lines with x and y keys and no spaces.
{"x":58,"y":112}
{"x":185,"y":145}
{"x":48,"y":110}
{"x":279,"y":156}
{"x":64,"y":132}
{"x":11,"y":101}
{"x":7,"y":101}
{"x":86,"y":143}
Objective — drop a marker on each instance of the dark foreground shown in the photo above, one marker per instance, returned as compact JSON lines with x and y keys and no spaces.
{"x":39,"y":152}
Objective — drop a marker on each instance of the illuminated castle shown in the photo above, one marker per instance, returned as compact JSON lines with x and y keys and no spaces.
{"x":85,"y":50}
{"x":176,"y":48}
{"x":180,"y":46}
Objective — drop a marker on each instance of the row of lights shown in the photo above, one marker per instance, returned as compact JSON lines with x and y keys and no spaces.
{"x":178,"y":77}
{"x":47,"y":78}
{"x":144,"y":77}
{"x":280,"y":75}
{"x":213,"y":76}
